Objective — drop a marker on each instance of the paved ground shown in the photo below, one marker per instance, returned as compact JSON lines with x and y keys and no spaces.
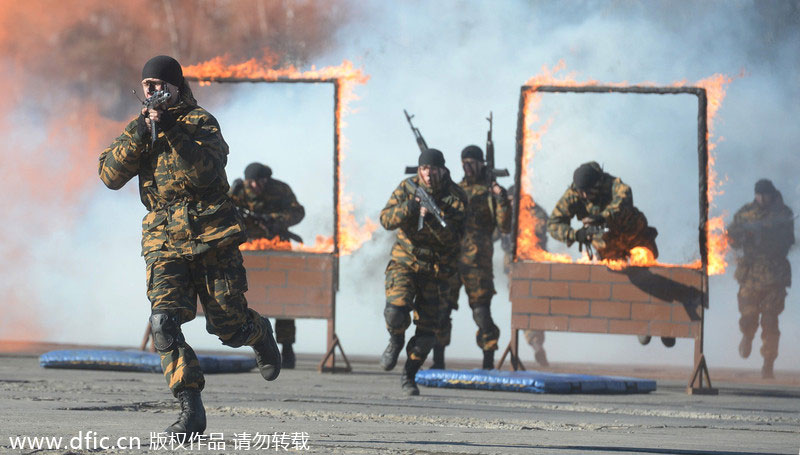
{"x":363,"y":413}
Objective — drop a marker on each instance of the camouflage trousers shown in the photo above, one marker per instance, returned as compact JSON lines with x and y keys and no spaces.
{"x":218,"y":279}
{"x":766,"y":303}
{"x":479,"y":285}
{"x":423,"y":294}
{"x":624,"y":237}
{"x":285,"y":331}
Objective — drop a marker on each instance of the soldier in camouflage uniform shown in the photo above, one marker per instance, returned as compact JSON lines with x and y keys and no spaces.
{"x":190,"y":236}
{"x":764,"y":231}
{"x":273,"y":200}
{"x":487,"y":209}
{"x":422,"y":263}
{"x":535,"y":338}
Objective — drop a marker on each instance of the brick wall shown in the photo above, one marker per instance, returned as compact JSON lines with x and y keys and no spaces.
{"x":287,"y":284}
{"x":592,"y":298}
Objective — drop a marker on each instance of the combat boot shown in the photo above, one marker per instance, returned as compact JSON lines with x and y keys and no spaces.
{"x":287,"y":357}
{"x":541,"y":358}
{"x":192,"y":420}
{"x":438,"y":358}
{"x":408,"y":381}
{"x":745,"y":346}
{"x":668,"y":341}
{"x":488,"y":360}
{"x":644,"y":340}
{"x":766,"y":370}
{"x":389,"y":357}
{"x":268,"y":356}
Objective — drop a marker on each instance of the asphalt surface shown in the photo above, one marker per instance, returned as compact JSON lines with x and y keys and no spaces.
{"x":363,"y":412}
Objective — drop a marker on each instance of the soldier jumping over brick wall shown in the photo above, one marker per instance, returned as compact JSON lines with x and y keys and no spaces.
{"x":190,"y":235}
{"x":268,"y":208}
{"x":422,"y":261}
{"x":763,"y":230}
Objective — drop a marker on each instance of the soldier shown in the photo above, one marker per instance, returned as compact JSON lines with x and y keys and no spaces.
{"x":535,"y":338}
{"x":764,"y":231}
{"x":270,"y":209}
{"x":421,"y":266}
{"x":190,"y":235}
{"x":487,"y":208}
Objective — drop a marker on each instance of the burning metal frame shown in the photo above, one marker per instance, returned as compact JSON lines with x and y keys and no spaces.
{"x":700,"y":383}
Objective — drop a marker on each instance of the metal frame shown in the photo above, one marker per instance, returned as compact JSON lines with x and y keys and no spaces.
{"x":700,"y":382}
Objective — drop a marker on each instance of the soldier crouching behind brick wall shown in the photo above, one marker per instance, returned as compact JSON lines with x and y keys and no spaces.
{"x":190,"y":235}
{"x":422,"y":263}
{"x":763,"y":230}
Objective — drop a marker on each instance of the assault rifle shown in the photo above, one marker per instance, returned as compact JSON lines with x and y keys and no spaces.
{"x":491,"y":172}
{"x":592,"y":231}
{"x":272,"y":228}
{"x":159,"y":97}
{"x":420,"y":141}
{"x":425,"y":200}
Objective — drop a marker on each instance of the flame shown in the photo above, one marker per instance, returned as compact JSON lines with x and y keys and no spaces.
{"x":351,"y":234}
{"x":527,"y":242}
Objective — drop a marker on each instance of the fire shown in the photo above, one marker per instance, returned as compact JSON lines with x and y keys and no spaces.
{"x":527,"y":242}
{"x":351,"y":234}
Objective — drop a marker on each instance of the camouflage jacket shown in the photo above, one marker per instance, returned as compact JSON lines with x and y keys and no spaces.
{"x":615,"y":205}
{"x":182,"y":182}
{"x":764,"y":235}
{"x":484,"y":213}
{"x":433,"y":249}
{"x":276,"y":202}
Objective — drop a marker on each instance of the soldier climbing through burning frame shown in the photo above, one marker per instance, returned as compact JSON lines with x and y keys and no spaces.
{"x":268,"y":208}
{"x":428,"y":212}
{"x":763,"y":231}
{"x":488,"y":208}
{"x":190,"y":235}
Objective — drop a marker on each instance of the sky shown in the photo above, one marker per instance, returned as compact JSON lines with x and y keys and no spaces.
{"x":72,"y":267}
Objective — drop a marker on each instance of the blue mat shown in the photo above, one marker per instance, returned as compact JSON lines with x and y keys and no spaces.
{"x":98,"y":359}
{"x":533,"y":381}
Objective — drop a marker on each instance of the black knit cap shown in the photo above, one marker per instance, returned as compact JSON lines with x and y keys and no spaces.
{"x":431,"y":157}
{"x":586,"y":176}
{"x":472,"y":151}
{"x":165,"y":68}
{"x":765,"y":186}
{"x":257,"y":171}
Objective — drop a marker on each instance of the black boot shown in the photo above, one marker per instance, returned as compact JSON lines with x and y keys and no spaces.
{"x":438,"y":358}
{"x":268,"y":356}
{"x":389,"y":357}
{"x":287,"y":357}
{"x":192,"y":419}
{"x":488,"y":360}
{"x":408,"y":381}
{"x":668,"y":341}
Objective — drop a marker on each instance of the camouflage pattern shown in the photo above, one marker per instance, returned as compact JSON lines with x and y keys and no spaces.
{"x":626,"y":224}
{"x":423,"y":262}
{"x":276,"y":201}
{"x":764,"y":236}
{"x":191,"y":233}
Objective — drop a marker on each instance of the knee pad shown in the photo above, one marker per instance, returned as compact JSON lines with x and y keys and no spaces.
{"x":482,"y":316}
{"x":166,"y":331}
{"x":396,"y":317}
{"x":420,"y":345}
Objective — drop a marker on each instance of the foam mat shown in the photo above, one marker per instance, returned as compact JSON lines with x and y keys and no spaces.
{"x":99,"y":359}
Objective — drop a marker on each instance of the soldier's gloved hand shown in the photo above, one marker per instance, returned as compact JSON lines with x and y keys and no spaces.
{"x":581,"y":235}
{"x":413,"y":205}
{"x":166,"y":121}
{"x":593,"y":220}
{"x":142,"y":129}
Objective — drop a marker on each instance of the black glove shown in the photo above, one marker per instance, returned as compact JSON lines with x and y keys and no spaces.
{"x":596,"y":219}
{"x":581,"y":235}
{"x":141,"y":128}
{"x":413,"y":205}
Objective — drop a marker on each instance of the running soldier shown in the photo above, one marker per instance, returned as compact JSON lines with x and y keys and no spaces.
{"x":422,"y":261}
{"x":763,"y":230}
{"x":270,"y":208}
{"x":190,"y":235}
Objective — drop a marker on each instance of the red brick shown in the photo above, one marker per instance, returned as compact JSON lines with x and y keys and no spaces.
{"x":669,"y":329}
{"x":254,"y":261}
{"x":550,"y":289}
{"x":570,"y":272}
{"x":319,"y":262}
{"x":320,"y":297}
{"x":628,"y":293}
{"x":602,"y":274}
{"x":665,"y":272}
{"x":520,"y":321}
{"x":628,"y":327}
{"x":689,"y":277}
{"x":305,"y":311}
{"x":606,"y":309}
{"x":271,"y":277}
{"x":590,"y":290}
{"x":651,"y":312}
{"x":286,"y":295}
{"x":679,"y":314}
{"x":520,"y":288}
{"x":268,"y":309}
{"x":287,"y":262}
{"x":539,"y":270}
{"x":302,"y":278}
{"x":593,"y":325}
{"x":569,"y":307}
{"x":256,"y":294}
{"x":557,"y":323}
{"x":530,"y":305}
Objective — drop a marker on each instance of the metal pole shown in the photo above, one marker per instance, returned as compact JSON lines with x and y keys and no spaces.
{"x":521,"y":116}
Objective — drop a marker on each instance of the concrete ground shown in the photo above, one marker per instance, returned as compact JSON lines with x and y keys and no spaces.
{"x":364,"y":413}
